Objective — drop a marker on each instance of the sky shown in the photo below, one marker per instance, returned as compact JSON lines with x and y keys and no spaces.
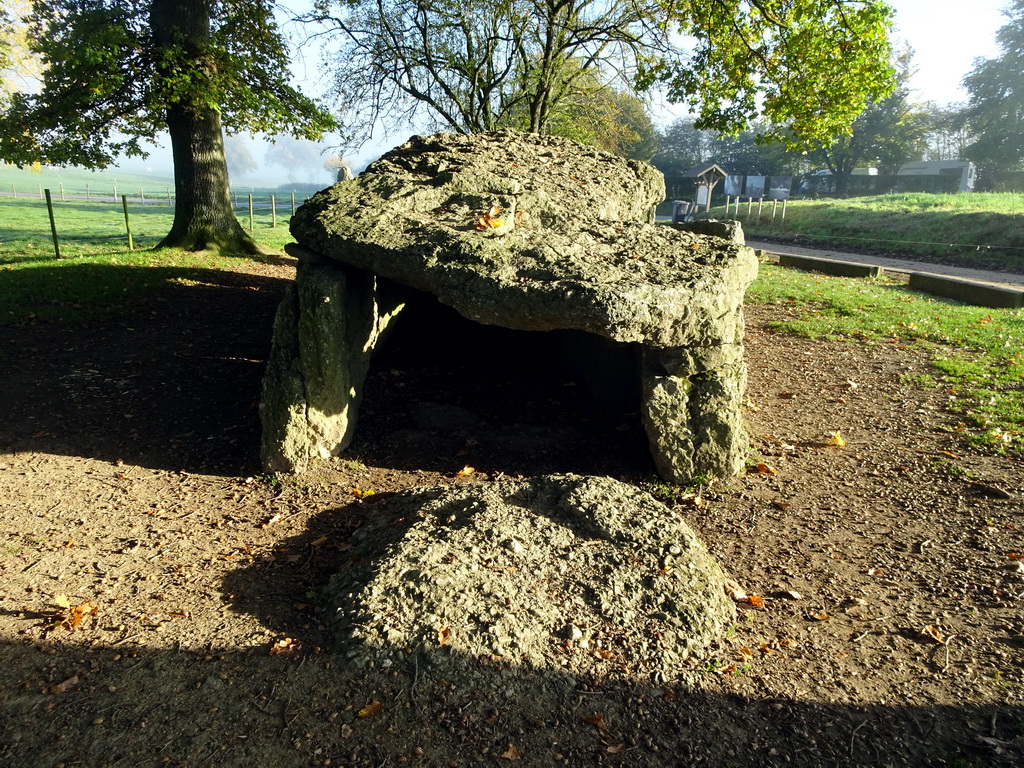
{"x":946,"y":36}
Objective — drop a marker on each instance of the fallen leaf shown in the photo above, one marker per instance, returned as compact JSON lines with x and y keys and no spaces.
{"x":756,"y":600}
{"x":735,"y":591}
{"x":362,"y":494}
{"x":78,"y":613}
{"x":490,"y":219}
{"x":62,"y":601}
{"x":791,"y":594}
{"x":318,"y":542}
{"x":512,"y":753}
{"x":285,"y":645}
{"x":764,"y":469}
{"x":444,"y":636}
{"x":837,"y":439}
{"x":466,"y":471}
{"x":616,"y":749}
{"x":932,"y":634}
{"x":597,"y":719}
{"x":371,"y":709}
{"x":788,"y":642}
{"x":71,"y":682}
{"x":820,"y":616}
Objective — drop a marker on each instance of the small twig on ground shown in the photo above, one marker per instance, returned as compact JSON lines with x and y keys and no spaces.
{"x":853,"y":736}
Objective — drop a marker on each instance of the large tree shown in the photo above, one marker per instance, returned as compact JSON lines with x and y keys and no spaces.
{"x":995,"y":106}
{"x":118,"y":72}
{"x":889,"y":132}
{"x":807,"y":67}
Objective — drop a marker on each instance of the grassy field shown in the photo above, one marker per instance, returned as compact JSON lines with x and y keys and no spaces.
{"x":982,"y":229}
{"x":978,"y":354}
{"x":96,"y":274}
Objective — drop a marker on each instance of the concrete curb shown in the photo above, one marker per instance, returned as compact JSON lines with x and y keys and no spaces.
{"x":967,"y":291}
{"x":829,"y":266}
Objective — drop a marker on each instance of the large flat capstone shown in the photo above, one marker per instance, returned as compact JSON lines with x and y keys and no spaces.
{"x":525,"y":232}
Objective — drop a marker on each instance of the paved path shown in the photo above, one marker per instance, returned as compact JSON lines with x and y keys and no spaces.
{"x":894,"y":265}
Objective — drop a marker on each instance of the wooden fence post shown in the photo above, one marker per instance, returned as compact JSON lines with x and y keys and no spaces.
{"x":53,"y":224}
{"x":127,"y":222}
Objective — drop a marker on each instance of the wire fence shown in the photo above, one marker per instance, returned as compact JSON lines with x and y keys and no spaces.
{"x":246,"y":206}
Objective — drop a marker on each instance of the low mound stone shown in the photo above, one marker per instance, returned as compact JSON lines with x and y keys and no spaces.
{"x":563,"y":574}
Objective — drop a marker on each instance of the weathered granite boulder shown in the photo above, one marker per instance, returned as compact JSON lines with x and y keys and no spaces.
{"x":525,"y":232}
{"x":562,"y":574}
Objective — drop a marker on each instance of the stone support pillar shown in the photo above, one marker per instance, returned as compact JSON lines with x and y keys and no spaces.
{"x":324,"y":333}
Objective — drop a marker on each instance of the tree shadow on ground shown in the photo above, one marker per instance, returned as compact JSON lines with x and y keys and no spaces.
{"x":174,"y":386}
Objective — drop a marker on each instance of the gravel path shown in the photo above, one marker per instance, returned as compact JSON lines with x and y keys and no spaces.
{"x":894,"y":264}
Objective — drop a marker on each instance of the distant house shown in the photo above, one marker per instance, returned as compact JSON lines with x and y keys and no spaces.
{"x":964,"y":169}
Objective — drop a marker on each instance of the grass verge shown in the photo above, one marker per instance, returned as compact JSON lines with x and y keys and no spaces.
{"x":981,"y":230}
{"x":978,"y":353}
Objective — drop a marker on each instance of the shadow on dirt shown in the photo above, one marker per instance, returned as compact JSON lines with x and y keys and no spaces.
{"x":175,"y":386}
{"x":250,"y":708}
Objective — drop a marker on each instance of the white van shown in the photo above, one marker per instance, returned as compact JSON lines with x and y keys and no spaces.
{"x":965,"y":169}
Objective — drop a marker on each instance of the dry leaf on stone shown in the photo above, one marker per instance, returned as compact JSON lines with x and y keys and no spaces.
{"x":490,"y":219}
{"x":371,"y":709}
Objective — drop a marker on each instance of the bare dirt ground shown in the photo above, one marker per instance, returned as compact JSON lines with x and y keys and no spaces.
{"x":159,"y":599}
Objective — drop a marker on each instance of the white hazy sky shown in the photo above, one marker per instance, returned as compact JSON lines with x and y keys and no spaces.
{"x":947,"y":36}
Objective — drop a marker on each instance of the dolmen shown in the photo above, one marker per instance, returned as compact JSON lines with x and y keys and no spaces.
{"x":527,"y":232}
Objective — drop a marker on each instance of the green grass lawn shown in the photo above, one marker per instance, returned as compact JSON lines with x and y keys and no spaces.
{"x":96,"y":274}
{"x":977,"y":229}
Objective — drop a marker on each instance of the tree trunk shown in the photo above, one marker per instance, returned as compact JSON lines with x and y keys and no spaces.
{"x":203,"y":216}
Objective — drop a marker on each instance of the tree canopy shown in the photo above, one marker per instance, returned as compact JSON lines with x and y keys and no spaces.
{"x":888,"y":133}
{"x":117,"y":72}
{"x":805,"y":67}
{"x":995,"y":106}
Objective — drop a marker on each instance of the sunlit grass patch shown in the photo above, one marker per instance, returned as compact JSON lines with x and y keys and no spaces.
{"x":978,"y":353}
